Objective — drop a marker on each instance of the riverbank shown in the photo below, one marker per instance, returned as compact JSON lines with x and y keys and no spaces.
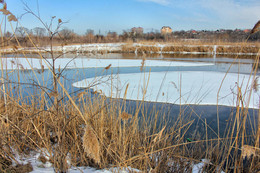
{"x":145,"y":48}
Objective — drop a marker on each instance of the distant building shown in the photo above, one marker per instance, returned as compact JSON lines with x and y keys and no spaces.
{"x":193,"y":31}
{"x":247,"y":30}
{"x":166,"y":30}
{"x":137,"y":30}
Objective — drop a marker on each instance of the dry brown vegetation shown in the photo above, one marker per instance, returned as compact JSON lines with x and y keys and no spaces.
{"x":192,"y":48}
{"x":102,"y":133}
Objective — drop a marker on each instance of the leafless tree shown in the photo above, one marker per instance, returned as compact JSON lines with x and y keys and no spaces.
{"x":39,"y":32}
{"x":66,"y":34}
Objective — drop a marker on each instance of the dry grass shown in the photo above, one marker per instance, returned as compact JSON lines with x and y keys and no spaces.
{"x":192,"y":48}
{"x":91,"y":145}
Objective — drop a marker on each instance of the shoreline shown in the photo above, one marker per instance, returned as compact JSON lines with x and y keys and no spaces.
{"x":143,"y":49}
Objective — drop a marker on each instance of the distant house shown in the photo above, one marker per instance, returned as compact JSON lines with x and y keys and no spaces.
{"x":166,"y":30}
{"x":137,"y":30}
{"x":247,"y":30}
{"x":194,"y":32}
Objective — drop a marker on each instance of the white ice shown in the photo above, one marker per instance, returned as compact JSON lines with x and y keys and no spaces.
{"x":187,"y":87}
{"x":29,"y":63}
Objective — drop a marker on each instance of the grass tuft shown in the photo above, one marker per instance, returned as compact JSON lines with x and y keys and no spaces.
{"x":91,"y":145}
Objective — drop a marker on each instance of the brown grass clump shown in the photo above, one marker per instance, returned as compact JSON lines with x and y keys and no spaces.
{"x":248,"y":151}
{"x":128,"y":49}
{"x":42,"y":159}
{"x":125,"y":116}
{"x":91,"y":145}
{"x":237,"y":49}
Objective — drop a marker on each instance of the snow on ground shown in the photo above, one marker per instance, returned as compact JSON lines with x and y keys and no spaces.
{"x":90,"y":47}
{"x":194,"y":87}
{"x":86,"y":170}
{"x":39,"y":167}
{"x":198,"y":168}
{"x":29,"y":63}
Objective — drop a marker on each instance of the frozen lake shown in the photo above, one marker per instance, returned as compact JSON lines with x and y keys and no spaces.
{"x":200,"y":81}
{"x":172,"y":86}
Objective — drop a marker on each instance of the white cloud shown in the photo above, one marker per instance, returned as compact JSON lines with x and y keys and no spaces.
{"x":213,"y":13}
{"x":239,"y":14}
{"x":161,"y":2}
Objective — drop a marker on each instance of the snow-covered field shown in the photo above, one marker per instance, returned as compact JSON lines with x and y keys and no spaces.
{"x":91,"y":47}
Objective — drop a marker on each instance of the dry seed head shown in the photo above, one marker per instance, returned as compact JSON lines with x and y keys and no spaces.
{"x":42,"y":67}
{"x":42,"y":159}
{"x":5,"y":12}
{"x":54,"y":94}
{"x":126,"y":90}
{"x":142,"y":64}
{"x":248,"y":151}
{"x":108,"y":67}
{"x":255,"y":84}
{"x":81,"y":94}
{"x":21,"y":66}
{"x":5,"y":6}
{"x":125,"y":116}
{"x":94,"y":92}
{"x":256,"y":27}
{"x":91,"y":145}
{"x":159,"y":135}
{"x":15,"y":47}
{"x":12,"y":18}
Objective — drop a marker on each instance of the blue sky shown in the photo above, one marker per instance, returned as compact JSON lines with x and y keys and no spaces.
{"x":119,"y":15}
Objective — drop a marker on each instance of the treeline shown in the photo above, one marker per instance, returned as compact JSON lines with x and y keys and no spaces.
{"x":40,"y":37}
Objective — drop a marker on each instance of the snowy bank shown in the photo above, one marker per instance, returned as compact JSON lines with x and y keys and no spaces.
{"x":169,"y":48}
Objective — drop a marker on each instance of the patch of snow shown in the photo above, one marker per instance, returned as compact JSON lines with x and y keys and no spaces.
{"x":39,"y":167}
{"x":198,"y":168}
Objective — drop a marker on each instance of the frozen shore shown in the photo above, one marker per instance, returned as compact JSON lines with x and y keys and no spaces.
{"x":141,"y":48}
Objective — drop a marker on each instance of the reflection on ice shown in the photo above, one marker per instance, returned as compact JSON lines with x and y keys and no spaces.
{"x":178,"y":87}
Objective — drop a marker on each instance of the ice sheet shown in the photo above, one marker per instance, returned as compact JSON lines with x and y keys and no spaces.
{"x":202,"y":88}
{"x":29,"y":63}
